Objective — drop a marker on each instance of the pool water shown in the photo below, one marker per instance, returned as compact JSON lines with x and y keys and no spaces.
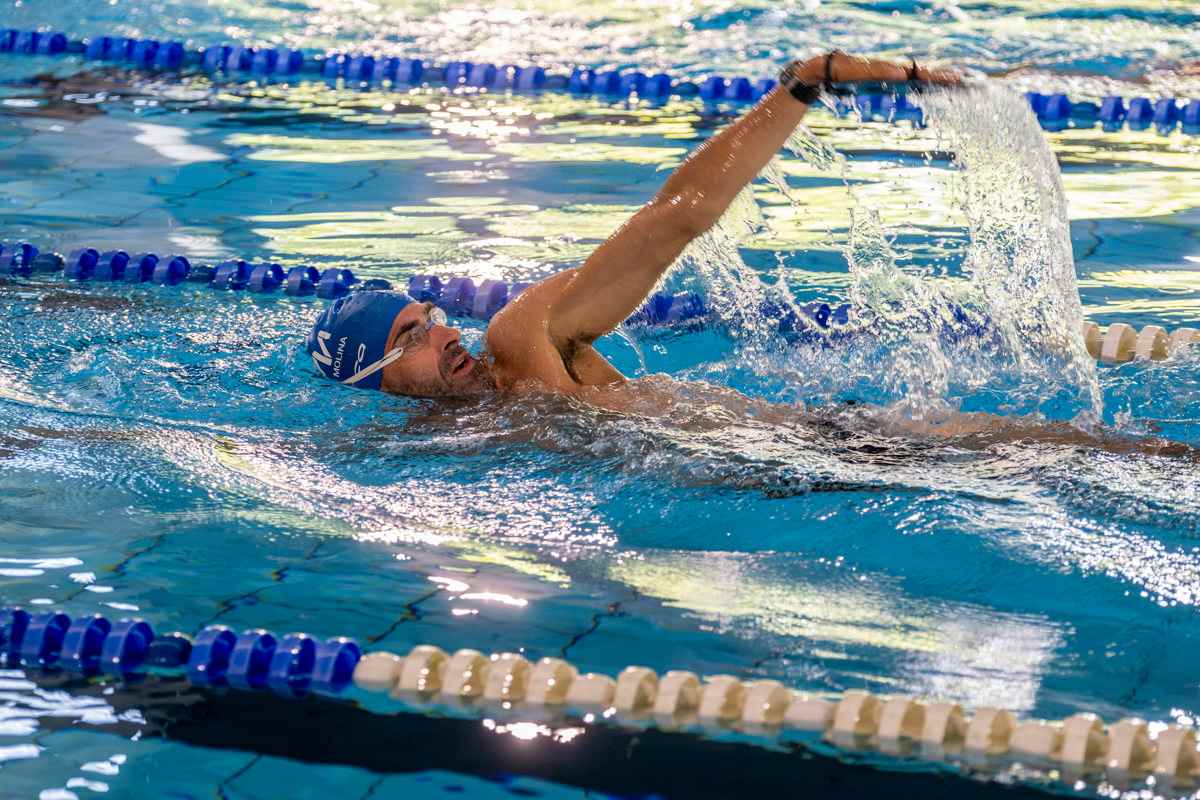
{"x":168,"y":452}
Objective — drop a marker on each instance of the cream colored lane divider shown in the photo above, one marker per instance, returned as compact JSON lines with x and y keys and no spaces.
{"x":1121,"y":342}
{"x":1079,"y":745}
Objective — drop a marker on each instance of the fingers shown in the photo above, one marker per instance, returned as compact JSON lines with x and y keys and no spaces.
{"x":839,"y":67}
{"x":939,"y":77}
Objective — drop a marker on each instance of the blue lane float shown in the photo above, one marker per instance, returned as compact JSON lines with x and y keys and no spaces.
{"x":126,"y":646}
{"x":167,"y":650}
{"x":292,"y":665}
{"x":20,"y":258}
{"x":210,"y":653}
{"x":84,"y":643}
{"x":232,"y":275}
{"x":1054,"y":111}
{"x":251,"y":659}
{"x":42,"y":641}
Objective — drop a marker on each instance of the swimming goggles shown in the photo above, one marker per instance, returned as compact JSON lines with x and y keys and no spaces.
{"x":413,"y":339}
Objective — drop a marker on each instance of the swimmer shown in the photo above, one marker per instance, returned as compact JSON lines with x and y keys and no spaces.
{"x":542,"y":340}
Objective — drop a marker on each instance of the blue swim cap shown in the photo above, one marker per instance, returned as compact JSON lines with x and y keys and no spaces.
{"x":347,"y":341}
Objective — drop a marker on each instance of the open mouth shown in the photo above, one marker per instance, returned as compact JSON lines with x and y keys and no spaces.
{"x":459,"y":363}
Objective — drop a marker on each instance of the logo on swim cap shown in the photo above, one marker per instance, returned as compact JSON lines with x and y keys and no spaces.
{"x":347,"y":341}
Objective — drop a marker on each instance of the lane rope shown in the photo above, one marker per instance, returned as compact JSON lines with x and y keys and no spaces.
{"x":1077,"y":747}
{"x":463,"y":297}
{"x":1120,"y":342}
{"x":1055,"y":111}
{"x":458,"y":296}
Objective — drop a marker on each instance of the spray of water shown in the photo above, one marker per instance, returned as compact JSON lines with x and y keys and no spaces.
{"x":1008,"y":327}
{"x":1019,"y":257}
{"x":735,"y":290}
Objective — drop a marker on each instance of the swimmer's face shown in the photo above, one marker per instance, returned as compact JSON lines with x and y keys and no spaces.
{"x":434,"y":364}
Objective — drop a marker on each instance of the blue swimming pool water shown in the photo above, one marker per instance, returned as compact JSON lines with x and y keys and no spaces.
{"x":167,"y":452}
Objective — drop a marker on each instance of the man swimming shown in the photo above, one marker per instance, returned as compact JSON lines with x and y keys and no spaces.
{"x":542,"y":340}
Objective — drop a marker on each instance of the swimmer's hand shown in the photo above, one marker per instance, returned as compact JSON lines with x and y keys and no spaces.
{"x":839,"y":67}
{"x":939,"y":76}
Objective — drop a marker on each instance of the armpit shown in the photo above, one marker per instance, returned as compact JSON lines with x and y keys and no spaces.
{"x":589,"y":368}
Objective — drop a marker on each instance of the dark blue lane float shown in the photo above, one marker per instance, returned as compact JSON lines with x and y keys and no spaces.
{"x":366,"y":70}
{"x":291,"y":665}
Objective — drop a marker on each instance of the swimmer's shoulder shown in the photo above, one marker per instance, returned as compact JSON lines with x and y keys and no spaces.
{"x":522,"y":323}
{"x":519,"y":343}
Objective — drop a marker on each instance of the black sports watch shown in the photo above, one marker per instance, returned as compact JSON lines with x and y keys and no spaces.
{"x":798,"y":87}
{"x":801,"y":89}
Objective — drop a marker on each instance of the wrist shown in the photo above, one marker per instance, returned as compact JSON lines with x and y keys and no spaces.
{"x":811,"y":70}
{"x":801,"y":81}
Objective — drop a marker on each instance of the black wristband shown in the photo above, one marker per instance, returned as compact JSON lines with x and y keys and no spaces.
{"x":797,"y":87}
{"x":829,"y":69}
{"x":915,"y":84}
{"x":910,"y":74}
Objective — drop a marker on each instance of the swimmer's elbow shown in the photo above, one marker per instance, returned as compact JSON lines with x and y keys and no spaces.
{"x":698,"y":225}
{"x":688,"y":213}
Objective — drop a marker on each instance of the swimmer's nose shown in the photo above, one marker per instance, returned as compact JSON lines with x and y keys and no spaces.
{"x":444,"y":337}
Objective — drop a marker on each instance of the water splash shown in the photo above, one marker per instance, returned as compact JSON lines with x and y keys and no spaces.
{"x":1019,"y":257}
{"x":736,"y":292}
{"x":1007,"y":330}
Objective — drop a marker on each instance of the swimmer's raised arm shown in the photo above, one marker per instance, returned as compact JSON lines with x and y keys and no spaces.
{"x":616,"y":278}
